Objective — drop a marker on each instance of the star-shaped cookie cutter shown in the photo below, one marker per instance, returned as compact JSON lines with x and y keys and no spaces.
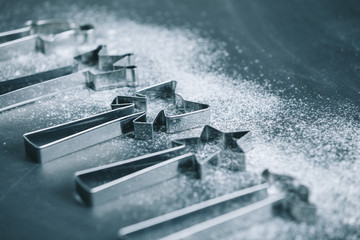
{"x":113,"y":71}
{"x":104,"y":183}
{"x":44,"y":36}
{"x":39,"y":143}
{"x":184,"y":114}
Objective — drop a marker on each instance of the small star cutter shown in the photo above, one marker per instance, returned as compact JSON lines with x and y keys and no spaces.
{"x":112,"y":71}
{"x":44,"y":36}
{"x":104,"y":183}
{"x":185,"y":114}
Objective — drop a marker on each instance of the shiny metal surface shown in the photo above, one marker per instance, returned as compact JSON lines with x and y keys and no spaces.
{"x":300,"y":50}
{"x":119,"y":72}
{"x":108,"y":182}
{"x":228,"y":148}
{"x":44,"y":36}
{"x":163,"y":225}
{"x":48,"y":88}
{"x":102,"y":184}
{"x":116,"y":71}
{"x":186,"y":115}
{"x":51,"y":143}
{"x":239,"y":219}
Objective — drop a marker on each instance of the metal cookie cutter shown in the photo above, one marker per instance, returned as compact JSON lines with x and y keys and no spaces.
{"x":112,"y":71}
{"x":234,"y":210}
{"x":44,"y":36}
{"x":53,"y":142}
{"x":161,"y":226}
{"x":101,"y":184}
{"x":218,"y":148}
{"x":181,"y":115}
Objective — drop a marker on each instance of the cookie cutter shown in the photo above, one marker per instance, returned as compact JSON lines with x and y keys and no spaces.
{"x":222,"y":214}
{"x":187,"y":114}
{"x":47,"y":88}
{"x":240,"y":219}
{"x":114,"y":71}
{"x":105,"y":183}
{"x":219,"y":148}
{"x":129,"y":176}
{"x":166,"y":224}
{"x":44,"y":36}
{"x":57,"y":141}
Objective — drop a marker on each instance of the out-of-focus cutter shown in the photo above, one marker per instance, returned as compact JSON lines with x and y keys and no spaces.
{"x":164,"y":225}
{"x":44,"y":36}
{"x":112,"y":71}
{"x":218,"y":216}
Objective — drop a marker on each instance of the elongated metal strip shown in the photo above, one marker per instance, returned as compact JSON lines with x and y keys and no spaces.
{"x":14,"y":34}
{"x":53,"y":142}
{"x":104,"y":183}
{"x":183,"y":218}
{"x":239,"y":219}
{"x":17,"y":83}
{"x":17,"y":47}
{"x":41,"y":90}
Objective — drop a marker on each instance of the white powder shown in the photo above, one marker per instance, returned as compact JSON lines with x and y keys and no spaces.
{"x":318,"y":145}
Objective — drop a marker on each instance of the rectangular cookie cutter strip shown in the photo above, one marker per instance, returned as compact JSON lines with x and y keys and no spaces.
{"x":279,"y":195}
{"x":241,"y":218}
{"x":184,"y":218}
{"x":54,"y":142}
{"x":101,"y":184}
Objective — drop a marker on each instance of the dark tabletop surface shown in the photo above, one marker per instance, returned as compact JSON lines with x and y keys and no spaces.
{"x":307,"y":49}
